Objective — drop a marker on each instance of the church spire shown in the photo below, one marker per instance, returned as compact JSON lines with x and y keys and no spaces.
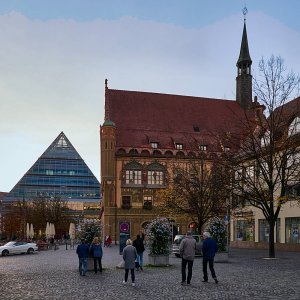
{"x":107,"y":120}
{"x":244,"y":77}
{"x":244,"y":52}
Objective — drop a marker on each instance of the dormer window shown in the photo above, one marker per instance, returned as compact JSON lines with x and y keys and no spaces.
{"x":154,"y":145}
{"x":294,"y":127}
{"x":203,"y":147}
{"x":227,"y":149}
{"x":179,"y":146}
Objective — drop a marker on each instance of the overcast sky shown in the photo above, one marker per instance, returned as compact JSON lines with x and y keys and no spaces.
{"x":55,"y":56}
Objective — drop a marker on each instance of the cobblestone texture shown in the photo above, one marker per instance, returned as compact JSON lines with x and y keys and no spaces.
{"x":54,"y":275}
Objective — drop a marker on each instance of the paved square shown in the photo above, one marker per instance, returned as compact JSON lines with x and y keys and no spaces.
{"x":54,"y":275}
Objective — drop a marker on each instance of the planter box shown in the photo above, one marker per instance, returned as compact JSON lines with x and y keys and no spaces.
{"x":90,"y":264}
{"x":221,"y":257}
{"x":158,"y":260}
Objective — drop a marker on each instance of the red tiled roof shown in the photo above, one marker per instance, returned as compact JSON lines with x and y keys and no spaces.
{"x":289,"y":110}
{"x":142,"y":117}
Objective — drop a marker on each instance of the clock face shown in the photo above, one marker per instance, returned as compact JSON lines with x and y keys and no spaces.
{"x":124,"y":227}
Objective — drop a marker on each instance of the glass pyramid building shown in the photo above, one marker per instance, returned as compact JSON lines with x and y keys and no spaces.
{"x":59,"y":172}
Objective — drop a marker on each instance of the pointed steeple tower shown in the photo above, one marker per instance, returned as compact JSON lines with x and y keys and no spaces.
{"x":244,"y":77}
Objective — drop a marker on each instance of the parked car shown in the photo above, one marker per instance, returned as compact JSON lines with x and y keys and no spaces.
{"x":178,"y":239}
{"x":18,"y":248}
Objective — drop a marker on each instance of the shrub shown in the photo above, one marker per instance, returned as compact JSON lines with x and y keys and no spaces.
{"x":89,"y":230}
{"x":217,"y":229}
{"x":158,"y":234}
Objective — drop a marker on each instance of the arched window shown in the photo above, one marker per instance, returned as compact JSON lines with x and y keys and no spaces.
{"x":133,"y":152}
{"x":168,"y":153}
{"x":121,"y":152}
{"x":145,"y":153}
{"x":294,"y":126}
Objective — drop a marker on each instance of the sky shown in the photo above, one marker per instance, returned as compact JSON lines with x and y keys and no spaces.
{"x":55,"y":56}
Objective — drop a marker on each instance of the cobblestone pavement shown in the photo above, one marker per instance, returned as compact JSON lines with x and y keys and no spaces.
{"x":54,"y":275}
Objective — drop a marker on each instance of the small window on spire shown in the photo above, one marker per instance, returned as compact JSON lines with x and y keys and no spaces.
{"x":196,"y":128}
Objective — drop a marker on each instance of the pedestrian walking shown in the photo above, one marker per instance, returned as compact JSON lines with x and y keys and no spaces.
{"x":83,"y":253}
{"x":97,"y":253}
{"x":129,"y":256}
{"x":209,"y":249}
{"x":187,"y":250}
{"x":138,"y":243}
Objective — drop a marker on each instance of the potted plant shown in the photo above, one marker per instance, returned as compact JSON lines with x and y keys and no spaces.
{"x":158,"y":236}
{"x":217,"y":229}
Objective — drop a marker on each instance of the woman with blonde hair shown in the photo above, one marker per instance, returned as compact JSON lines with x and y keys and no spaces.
{"x":129,"y":256}
{"x":97,"y":253}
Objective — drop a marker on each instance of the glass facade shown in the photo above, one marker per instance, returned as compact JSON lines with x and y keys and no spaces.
{"x":292,"y":228}
{"x":264,"y":230}
{"x":244,"y":230}
{"x":59,"y":172}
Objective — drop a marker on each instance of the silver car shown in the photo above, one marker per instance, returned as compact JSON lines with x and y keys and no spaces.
{"x":18,"y":248}
{"x":177,"y":240}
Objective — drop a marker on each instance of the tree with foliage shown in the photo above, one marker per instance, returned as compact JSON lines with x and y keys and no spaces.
{"x":158,"y":234}
{"x":90,"y":229}
{"x":197,"y":190}
{"x":268,"y":162}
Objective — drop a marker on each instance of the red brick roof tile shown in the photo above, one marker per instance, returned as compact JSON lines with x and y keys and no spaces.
{"x":142,"y":117}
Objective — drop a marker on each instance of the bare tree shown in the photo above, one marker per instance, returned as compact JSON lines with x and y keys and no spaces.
{"x":37,"y":211}
{"x":268,"y":162}
{"x":197,"y":190}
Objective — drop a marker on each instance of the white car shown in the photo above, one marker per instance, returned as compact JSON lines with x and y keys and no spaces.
{"x":18,"y":248}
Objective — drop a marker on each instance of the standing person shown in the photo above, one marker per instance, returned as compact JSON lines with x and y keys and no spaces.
{"x":187,"y":252}
{"x":96,"y":250}
{"x":129,"y":256}
{"x":138,"y":243}
{"x":83,"y":253}
{"x":209,"y":249}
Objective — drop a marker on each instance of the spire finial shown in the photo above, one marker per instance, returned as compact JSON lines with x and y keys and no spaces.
{"x":245,"y":11}
{"x":106,"y":83}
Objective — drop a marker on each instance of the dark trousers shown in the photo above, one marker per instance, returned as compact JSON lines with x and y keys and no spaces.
{"x":210,"y":262}
{"x":185,"y":262}
{"x":97,"y":259}
{"x":132,"y":274}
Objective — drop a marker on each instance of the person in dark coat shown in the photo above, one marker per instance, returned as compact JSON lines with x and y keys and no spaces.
{"x":138,"y":243}
{"x":209,"y":249}
{"x":129,"y":256}
{"x":83,"y":253}
{"x":97,"y":253}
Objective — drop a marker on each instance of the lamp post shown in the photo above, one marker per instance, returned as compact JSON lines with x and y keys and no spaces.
{"x":228,"y":202}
